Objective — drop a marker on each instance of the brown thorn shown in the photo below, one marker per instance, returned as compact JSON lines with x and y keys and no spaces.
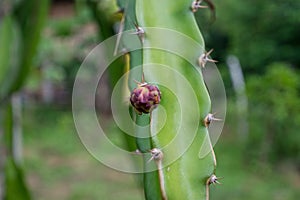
{"x":209,"y":52}
{"x":156,"y":154}
{"x":212,"y":9}
{"x":213,"y":179}
{"x":139,"y":32}
{"x":203,"y":59}
{"x":210,"y":118}
{"x":196,"y":5}
{"x":143,"y":83}
{"x":121,"y":28}
{"x":143,"y":78}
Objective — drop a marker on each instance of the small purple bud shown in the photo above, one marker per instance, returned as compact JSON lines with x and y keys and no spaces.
{"x":145,"y":98}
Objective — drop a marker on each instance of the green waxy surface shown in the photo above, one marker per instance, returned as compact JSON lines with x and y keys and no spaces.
{"x":152,"y":191}
{"x":10,"y":40}
{"x":172,"y":45}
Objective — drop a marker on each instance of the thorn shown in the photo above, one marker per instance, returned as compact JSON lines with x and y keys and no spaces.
{"x":213,"y":179}
{"x":121,"y":28}
{"x":139,"y":32}
{"x":203,"y":59}
{"x":156,"y":154}
{"x":143,"y":77}
{"x":137,"y":82}
{"x":141,"y":84}
{"x":209,"y":118}
{"x":196,"y":5}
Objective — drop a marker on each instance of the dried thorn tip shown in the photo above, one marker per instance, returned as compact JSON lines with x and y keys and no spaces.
{"x":140,"y":84}
{"x":196,"y":5}
{"x":213,"y":179}
{"x":203,"y":59}
{"x":140,"y":33}
{"x":209,"y":118}
{"x":156,"y":154}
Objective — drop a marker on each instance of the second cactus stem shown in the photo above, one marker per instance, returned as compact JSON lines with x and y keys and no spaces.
{"x":160,"y":95}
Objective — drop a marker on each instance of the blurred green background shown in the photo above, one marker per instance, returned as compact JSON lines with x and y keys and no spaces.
{"x":43,"y":43}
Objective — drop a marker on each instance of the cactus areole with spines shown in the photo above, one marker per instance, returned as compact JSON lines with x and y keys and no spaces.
{"x":189,"y":175}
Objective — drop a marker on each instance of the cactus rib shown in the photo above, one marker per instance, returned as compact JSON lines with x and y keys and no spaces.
{"x":187,"y":176}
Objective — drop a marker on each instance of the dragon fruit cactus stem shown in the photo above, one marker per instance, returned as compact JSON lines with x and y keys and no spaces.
{"x":189,"y":175}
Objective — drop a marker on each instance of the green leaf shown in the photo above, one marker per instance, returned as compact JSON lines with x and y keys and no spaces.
{"x":15,"y":182}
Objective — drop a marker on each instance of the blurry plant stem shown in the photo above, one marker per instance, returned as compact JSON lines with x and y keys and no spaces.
{"x":27,"y":20}
{"x":238,"y":83}
{"x":2,"y":153}
{"x":267,"y":143}
{"x":106,"y":30}
{"x":13,"y":183}
{"x":10,"y":134}
{"x":17,"y":147}
{"x":47,"y":86}
{"x":105,"y":25}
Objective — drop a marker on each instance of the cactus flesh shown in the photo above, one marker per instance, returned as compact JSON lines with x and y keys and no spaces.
{"x":170,"y":57}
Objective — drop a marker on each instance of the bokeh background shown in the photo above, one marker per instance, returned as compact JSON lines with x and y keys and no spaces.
{"x":43,"y":43}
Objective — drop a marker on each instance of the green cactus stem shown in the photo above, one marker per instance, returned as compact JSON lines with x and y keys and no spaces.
{"x":180,"y":173}
{"x":20,"y":32}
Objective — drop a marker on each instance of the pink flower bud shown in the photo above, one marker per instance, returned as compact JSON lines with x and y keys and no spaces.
{"x":145,"y":97}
